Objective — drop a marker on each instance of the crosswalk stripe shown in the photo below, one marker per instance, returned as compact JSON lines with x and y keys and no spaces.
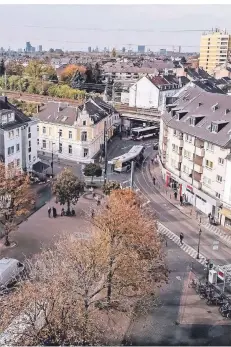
{"x":186,"y":248}
{"x":218,"y":232}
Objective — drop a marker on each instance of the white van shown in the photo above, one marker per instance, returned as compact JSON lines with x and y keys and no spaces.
{"x":10,"y":271}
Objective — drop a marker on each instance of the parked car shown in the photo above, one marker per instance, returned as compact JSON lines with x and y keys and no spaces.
{"x":155,"y":145}
{"x":11,"y":270}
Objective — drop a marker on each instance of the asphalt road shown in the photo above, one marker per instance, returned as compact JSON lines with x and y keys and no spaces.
{"x":167,"y":213}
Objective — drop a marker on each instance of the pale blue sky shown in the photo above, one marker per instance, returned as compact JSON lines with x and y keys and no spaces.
{"x":16,"y":22}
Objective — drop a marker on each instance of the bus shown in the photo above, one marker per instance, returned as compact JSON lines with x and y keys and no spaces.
{"x":123,"y":162}
{"x":142,"y":133}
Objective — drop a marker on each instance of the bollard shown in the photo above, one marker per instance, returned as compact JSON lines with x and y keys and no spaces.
{"x":200,"y":219}
{"x":170,"y":196}
{"x":191,"y":211}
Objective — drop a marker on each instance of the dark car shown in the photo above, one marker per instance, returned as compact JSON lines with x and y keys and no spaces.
{"x":155,"y":146}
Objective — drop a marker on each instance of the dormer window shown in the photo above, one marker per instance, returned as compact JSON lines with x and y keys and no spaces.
{"x":215,"y":107}
{"x":192,"y":121}
{"x":214,"y":128}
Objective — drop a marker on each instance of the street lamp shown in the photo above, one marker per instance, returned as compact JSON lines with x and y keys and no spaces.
{"x":199,"y":241}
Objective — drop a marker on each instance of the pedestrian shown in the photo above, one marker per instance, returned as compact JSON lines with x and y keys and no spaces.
{"x":152,"y":160}
{"x":92,"y":213}
{"x":175,"y":194}
{"x":181,"y":200}
{"x":54,"y":212}
{"x":154,"y":181}
{"x":49,"y":212}
{"x":181,"y":238}
{"x":209,"y":216}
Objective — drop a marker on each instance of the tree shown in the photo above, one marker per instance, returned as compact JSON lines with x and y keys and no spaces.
{"x":62,"y":289}
{"x":110,"y":186}
{"x":14,"y":68}
{"x":92,"y":170}
{"x":131,"y":246}
{"x":16,"y":196}
{"x":113,"y":52}
{"x":2,"y":67}
{"x":34,"y":69}
{"x":67,"y":188}
{"x":183,"y":60}
{"x":69,"y":72}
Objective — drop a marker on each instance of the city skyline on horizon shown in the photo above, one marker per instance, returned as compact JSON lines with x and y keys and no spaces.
{"x":76,"y":27}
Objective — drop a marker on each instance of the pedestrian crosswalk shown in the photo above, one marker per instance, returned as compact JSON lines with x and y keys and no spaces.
{"x":186,"y":248}
{"x":226,"y":238}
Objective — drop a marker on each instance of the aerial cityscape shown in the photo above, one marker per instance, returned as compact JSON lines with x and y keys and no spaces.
{"x":115,"y":167}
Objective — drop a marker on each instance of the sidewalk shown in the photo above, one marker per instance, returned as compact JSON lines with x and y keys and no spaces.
{"x":189,"y":210}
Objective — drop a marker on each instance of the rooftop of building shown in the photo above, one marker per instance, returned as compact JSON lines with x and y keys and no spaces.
{"x":19,"y":119}
{"x":62,"y":113}
{"x":211,"y":107}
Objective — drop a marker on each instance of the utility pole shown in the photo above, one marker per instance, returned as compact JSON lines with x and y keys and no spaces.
{"x":5,"y":81}
{"x":52,"y":162}
{"x":198,"y":247}
{"x":105,"y":152}
{"x":132,"y":174}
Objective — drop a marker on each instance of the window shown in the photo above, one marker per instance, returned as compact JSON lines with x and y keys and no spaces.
{"x":209,"y":164}
{"x":37,"y":127}
{"x":187,"y":154}
{"x":187,"y":170}
{"x":70,"y":149}
{"x":60,"y":133}
{"x":18,"y":162}
{"x":60,"y":148}
{"x":188,"y":138}
{"x":17,"y":147}
{"x":220,"y":161}
{"x":84,"y":136}
{"x":210,"y":147}
{"x":44,"y":144}
{"x":192,"y":121}
{"x":29,"y":157}
{"x":207,"y":181}
{"x":17,"y":132}
{"x":84,"y":122}
{"x":218,"y":195}
{"x":85,"y":152}
{"x":29,"y":130}
{"x":29,"y":144}
{"x":175,"y":148}
{"x":219,"y":178}
{"x":70,"y":134}
{"x":37,"y":141}
{"x":44,"y":130}
{"x":214,"y":128}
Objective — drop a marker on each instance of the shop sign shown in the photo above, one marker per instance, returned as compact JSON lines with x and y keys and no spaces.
{"x":221,"y":275}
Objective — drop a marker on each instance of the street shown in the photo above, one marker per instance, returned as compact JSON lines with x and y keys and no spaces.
{"x":169,"y":216}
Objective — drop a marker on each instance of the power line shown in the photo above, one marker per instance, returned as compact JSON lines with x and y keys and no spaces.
{"x":111,"y":29}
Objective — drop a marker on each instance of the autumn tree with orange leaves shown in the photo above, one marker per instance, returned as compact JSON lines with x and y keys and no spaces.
{"x":69,"y":72}
{"x":16,"y":198}
{"x":130,"y":245}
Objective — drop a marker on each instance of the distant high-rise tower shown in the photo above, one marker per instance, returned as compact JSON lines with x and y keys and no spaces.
{"x":28,"y":47}
{"x":141,"y":49}
{"x":123,"y":50}
{"x":215,"y":49}
{"x":89,"y":49}
{"x":40,"y":48}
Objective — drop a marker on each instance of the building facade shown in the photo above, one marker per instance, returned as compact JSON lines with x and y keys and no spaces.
{"x":194,"y":148}
{"x":215,"y":48}
{"x":151,"y":92}
{"x":18,"y":138}
{"x":76,"y":133}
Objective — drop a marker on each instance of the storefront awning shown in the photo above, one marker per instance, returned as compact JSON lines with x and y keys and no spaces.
{"x":225,"y":212}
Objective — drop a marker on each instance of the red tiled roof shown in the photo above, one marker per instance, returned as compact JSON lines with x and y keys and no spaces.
{"x":159,"y":81}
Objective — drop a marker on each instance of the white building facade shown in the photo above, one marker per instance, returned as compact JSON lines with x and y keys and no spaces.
{"x":18,"y":138}
{"x":194,"y":146}
{"x":76,"y":134}
{"x":151,"y":92}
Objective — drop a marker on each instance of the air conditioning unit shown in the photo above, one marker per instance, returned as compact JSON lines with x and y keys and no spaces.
{"x":212,"y":276}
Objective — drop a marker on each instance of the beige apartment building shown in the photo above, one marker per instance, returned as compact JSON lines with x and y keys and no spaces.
{"x":215,"y":48}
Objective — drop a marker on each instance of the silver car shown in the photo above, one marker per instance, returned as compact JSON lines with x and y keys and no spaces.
{"x":11,"y":271}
